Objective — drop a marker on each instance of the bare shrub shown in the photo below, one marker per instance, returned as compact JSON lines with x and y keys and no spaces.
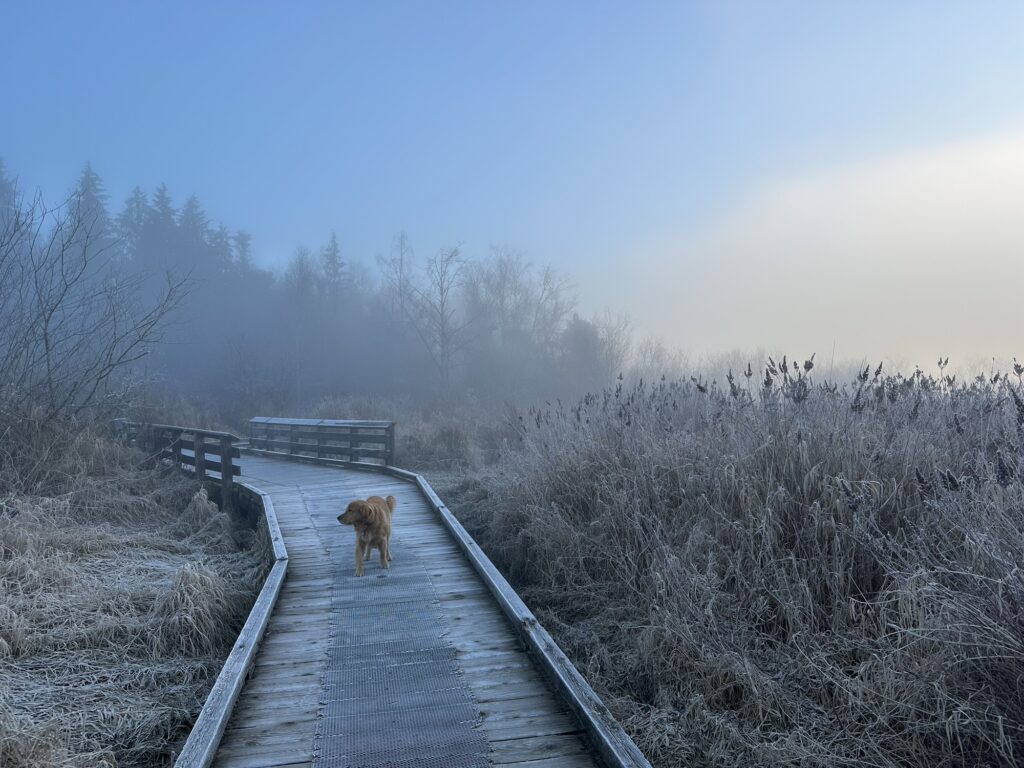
{"x":72,"y":324}
{"x":780,"y":572}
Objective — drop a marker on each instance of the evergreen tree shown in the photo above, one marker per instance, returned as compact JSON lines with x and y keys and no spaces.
{"x":243,"y":249}
{"x":193,"y":223}
{"x":90,"y":198}
{"x":158,"y":248}
{"x":332,"y":266}
{"x":8,"y":194}
{"x":131,"y":224}
{"x":89,"y":206}
{"x":220,"y":249}
{"x":162,"y":213}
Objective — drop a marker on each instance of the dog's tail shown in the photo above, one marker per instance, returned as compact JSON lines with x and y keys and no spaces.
{"x":391,"y":503}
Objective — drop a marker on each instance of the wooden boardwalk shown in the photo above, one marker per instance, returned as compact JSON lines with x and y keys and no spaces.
{"x":275,"y":718}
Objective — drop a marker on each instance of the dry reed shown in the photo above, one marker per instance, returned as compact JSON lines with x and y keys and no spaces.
{"x":778,"y":572}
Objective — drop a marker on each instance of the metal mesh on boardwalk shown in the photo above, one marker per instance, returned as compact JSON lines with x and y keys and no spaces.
{"x":392,"y":693}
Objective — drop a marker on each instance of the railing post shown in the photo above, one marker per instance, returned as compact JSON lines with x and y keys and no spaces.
{"x":147,"y":441}
{"x":389,"y":445}
{"x":176,"y":451}
{"x":198,"y":444}
{"x":319,"y":442}
{"x":226,"y":472}
{"x":291,"y":439}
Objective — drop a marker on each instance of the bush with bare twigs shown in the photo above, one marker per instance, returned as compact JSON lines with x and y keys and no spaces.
{"x":777,"y":571}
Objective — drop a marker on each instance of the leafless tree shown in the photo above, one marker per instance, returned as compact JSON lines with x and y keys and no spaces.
{"x":435,"y":311}
{"x":509,"y":300}
{"x":396,"y":272}
{"x":71,"y":326}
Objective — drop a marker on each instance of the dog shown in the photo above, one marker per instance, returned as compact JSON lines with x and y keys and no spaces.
{"x":372,"y":520}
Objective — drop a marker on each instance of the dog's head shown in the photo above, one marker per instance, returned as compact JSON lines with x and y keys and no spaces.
{"x":354,"y":513}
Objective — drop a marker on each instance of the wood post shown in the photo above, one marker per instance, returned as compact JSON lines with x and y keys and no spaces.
{"x":147,"y":439}
{"x":176,"y":451}
{"x":389,"y":445}
{"x":199,"y":445}
{"x":226,"y":472}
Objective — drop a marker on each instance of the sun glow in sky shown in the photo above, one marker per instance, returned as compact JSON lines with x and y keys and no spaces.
{"x":799,"y":176}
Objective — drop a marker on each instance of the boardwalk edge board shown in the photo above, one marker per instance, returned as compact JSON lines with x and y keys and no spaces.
{"x":201,"y":746}
{"x":613,"y":744}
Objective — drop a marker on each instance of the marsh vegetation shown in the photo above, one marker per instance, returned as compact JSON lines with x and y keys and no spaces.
{"x":122,"y":588}
{"x":779,"y":571}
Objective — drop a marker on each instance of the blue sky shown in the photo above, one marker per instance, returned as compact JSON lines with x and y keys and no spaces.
{"x":609,"y":139}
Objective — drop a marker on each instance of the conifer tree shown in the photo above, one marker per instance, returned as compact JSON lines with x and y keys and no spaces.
{"x":332,"y":266}
{"x":162,"y":211}
{"x":219,"y":243}
{"x":89,"y":207}
{"x":7,"y":191}
{"x":193,"y":224}
{"x":131,"y":224}
{"x":158,"y":248}
{"x":243,"y":249}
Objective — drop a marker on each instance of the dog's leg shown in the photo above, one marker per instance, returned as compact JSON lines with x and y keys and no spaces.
{"x":359,"y":557}
{"x":385,"y":554}
{"x":369,"y":552}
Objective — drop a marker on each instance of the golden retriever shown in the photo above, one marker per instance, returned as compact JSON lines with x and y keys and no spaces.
{"x":372,"y":520}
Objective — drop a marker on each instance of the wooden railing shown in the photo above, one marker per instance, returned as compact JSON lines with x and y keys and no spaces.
{"x":201,"y":746}
{"x":200,"y":450}
{"x":352,"y":442}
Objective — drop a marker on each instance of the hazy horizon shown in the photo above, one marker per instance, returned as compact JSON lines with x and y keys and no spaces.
{"x":845,"y":181}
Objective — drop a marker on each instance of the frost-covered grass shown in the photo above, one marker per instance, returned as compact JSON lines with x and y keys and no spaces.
{"x":776,"y":571}
{"x":122,"y":589}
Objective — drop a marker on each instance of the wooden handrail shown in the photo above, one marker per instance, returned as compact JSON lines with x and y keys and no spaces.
{"x":346,"y":441}
{"x":166,"y":442}
{"x":120,"y":424}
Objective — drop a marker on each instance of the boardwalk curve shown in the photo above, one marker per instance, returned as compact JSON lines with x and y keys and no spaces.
{"x":481,"y":683}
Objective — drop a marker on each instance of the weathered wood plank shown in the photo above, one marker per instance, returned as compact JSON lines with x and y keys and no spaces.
{"x":288,"y":666}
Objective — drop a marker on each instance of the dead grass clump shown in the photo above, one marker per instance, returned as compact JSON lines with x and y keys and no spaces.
{"x":780,"y":572}
{"x":193,"y":617}
{"x":26,"y":745}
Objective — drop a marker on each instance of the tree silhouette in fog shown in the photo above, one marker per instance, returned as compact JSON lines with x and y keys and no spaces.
{"x":492,"y":326}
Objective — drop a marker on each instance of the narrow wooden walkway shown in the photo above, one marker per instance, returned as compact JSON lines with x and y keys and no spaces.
{"x":274,"y":721}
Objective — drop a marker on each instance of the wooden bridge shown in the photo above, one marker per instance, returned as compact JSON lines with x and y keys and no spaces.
{"x":296,"y":690}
